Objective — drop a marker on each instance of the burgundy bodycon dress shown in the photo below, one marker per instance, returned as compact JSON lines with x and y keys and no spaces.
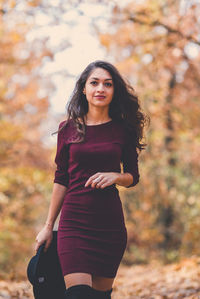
{"x":92,"y":235}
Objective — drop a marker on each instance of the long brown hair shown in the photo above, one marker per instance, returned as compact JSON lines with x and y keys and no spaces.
{"x":125,"y":106}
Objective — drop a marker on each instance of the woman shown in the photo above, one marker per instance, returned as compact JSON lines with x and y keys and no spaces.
{"x":101,"y":133}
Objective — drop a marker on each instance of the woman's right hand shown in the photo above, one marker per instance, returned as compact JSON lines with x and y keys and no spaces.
{"x":44,"y":236}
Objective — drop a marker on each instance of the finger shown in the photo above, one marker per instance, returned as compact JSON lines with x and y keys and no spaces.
{"x":98,"y":181}
{"x":87,"y":183}
{"x":99,"y":184}
{"x":47,"y":244}
{"x":94,"y":183}
{"x":90,"y":180}
{"x":106,"y":184}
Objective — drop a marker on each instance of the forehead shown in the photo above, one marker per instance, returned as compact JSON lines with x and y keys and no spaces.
{"x":100,"y":73}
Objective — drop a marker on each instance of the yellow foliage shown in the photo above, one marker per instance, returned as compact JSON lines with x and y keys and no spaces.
{"x":105,"y":40}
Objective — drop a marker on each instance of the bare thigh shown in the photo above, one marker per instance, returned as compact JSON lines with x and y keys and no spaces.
{"x":102,"y":283}
{"x":77,"y":278}
{"x":97,"y":282}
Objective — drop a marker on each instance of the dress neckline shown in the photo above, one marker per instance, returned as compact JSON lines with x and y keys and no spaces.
{"x":102,"y":124}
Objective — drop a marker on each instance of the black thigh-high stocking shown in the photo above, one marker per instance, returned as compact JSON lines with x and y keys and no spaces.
{"x":102,"y":294}
{"x":83,"y":291}
{"x":79,"y":291}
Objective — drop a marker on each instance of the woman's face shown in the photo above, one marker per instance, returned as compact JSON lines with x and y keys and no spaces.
{"x":99,"y":88}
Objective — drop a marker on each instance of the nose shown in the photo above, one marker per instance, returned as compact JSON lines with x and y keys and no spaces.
{"x":100,"y":87}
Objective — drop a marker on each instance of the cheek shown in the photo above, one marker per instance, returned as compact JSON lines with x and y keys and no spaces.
{"x":89,"y":89}
{"x":88,"y":92}
{"x":111,"y":92}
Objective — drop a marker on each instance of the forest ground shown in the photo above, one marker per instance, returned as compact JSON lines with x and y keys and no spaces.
{"x":153,"y":281}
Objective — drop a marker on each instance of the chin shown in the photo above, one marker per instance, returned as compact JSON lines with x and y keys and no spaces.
{"x":101,"y":104}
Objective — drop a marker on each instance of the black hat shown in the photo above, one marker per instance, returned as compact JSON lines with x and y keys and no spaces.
{"x":45,"y":274}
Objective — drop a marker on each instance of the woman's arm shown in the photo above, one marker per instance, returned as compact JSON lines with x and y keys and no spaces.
{"x":58,"y":193}
{"x":105,"y":179}
{"x":130,"y":162}
{"x":124,"y":179}
{"x":57,"y":198}
{"x":46,"y":234}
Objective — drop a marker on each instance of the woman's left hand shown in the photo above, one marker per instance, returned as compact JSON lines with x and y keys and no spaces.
{"x":102,"y":179}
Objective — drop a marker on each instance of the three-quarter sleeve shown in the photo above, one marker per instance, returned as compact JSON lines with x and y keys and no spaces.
{"x":61,"y":174}
{"x":130,"y":160}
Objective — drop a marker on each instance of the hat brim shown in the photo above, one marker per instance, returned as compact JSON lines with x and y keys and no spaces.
{"x":33,"y":263}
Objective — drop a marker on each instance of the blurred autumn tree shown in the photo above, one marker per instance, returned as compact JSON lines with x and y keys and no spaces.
{"x":156,"y":45}
{"x":25,"y":162}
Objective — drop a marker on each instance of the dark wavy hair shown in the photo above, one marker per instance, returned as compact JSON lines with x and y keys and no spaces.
{"x":124,"y":106}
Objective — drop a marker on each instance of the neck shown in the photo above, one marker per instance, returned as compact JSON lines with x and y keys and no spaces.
{"x":97,"y":117}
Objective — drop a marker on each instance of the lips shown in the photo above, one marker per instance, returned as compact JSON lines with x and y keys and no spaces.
{"x":100,"y":97}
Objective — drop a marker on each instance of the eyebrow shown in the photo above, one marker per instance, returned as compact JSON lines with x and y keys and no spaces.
{"x":105,"y":79}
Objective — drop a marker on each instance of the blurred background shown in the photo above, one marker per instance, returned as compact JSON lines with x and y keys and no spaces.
{"x":44,"y":46}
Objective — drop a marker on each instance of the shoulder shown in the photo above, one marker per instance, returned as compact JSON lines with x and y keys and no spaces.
{"x":64,"y":123}
{"x":64,"y":127}
{"x":66,"y":130}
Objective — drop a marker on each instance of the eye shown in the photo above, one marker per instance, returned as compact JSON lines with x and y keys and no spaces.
{"x":93,"y":82}
{"x":108,"y":84}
